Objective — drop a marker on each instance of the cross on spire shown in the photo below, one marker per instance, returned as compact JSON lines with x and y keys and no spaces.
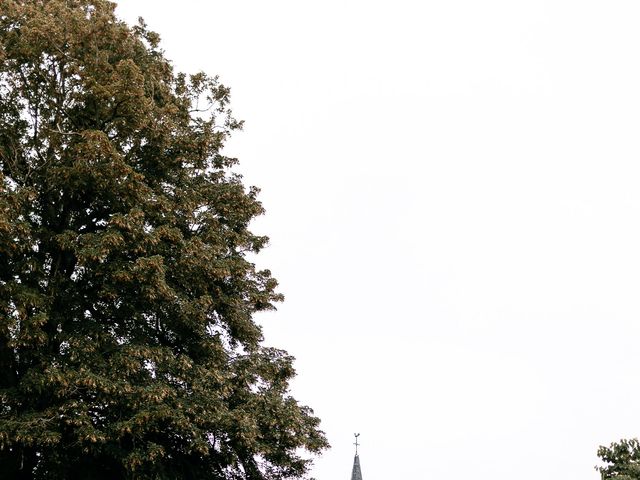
{"x":356,"y":473}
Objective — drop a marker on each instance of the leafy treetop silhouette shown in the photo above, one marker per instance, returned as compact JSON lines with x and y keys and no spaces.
{"x":128,"y":347}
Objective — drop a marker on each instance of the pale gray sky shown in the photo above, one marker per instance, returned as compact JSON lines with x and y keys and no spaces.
{"x":452,"y":194}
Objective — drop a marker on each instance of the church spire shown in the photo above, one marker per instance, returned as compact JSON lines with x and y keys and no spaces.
{"x":356,"y":473}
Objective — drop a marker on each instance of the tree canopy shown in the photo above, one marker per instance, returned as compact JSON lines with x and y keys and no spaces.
{"x":621,"y":460}
{"x":128,"y":345}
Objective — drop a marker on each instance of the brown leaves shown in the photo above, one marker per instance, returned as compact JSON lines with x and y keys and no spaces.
{"x":127,"y":337}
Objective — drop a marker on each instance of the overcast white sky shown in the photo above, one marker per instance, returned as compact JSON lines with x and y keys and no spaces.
{"x":453,"y":201}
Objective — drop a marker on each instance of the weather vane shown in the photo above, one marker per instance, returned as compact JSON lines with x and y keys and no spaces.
{"x":356,"y":444}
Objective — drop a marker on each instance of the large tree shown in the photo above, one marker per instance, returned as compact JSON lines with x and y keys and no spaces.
{"x":128,"y":347}
{"x":621,"y":460}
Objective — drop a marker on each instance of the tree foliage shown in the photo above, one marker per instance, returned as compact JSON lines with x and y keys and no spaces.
{"x":621,"y":460}
{"x":128,"y":347}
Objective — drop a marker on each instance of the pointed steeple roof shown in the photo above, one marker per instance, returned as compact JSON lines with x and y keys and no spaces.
{"x":356,"y":473}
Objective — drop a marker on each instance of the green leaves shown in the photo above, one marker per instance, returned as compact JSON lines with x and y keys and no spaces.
{"x":622,"y":460}
{"x":128,"y":347}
